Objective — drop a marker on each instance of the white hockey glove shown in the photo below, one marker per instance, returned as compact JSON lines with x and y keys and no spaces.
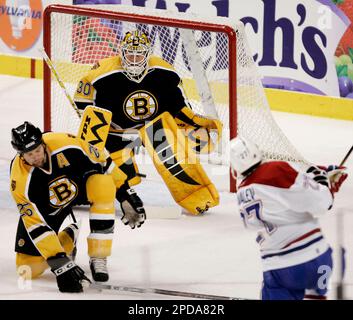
{"x":131,"y":205}
{"x":337,"y":176}
{"x":332,"y":176}
{"x":319,"y":175}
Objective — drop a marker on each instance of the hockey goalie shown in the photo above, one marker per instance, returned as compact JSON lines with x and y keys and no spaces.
{"x":145,"y":95}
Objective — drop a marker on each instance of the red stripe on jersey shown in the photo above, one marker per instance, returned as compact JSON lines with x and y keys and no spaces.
{"x":303,"y":237}
{"x":313,"y":297}
{"x":277,"y":174}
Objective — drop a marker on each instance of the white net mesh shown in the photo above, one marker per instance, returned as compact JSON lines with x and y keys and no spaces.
{"x":201,"y":59}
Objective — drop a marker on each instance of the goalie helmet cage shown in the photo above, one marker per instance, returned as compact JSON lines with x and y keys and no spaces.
{"x":219,"y":75}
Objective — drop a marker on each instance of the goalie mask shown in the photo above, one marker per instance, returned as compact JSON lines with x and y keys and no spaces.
{"x":135,"y":52}
{"x":26,"y":137}
{"x":244,"y":155}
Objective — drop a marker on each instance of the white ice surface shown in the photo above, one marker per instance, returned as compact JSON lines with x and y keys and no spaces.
{"x":210,"y":254}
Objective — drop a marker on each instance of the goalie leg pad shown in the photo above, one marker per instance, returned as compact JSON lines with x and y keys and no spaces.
{"x":201,"y":196}
{"x":178,"y":165}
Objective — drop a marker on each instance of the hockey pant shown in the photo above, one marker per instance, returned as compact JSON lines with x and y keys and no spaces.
{"x":178,"y":165}
{"x":308,"y":280}
{"x":101,"y":195}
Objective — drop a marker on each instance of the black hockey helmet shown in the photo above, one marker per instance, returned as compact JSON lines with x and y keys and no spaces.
{"x":26,"y":137}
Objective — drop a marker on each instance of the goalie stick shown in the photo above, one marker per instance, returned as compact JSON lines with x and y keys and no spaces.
{"x":56,"y":75}
{"x":101,"y":286}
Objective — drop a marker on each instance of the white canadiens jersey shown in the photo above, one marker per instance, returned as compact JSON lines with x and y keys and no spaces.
{"x":284,"y":204}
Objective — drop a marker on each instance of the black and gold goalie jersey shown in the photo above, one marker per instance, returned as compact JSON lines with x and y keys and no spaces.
{"x":132,"y":104}
{"x":44,"y":197}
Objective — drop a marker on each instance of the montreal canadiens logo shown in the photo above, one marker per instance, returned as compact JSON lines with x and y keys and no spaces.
{"x":62,"y":191}
{"x":140,"y":105}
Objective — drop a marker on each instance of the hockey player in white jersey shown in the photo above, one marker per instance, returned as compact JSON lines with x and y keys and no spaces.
{"x":283,"y":203}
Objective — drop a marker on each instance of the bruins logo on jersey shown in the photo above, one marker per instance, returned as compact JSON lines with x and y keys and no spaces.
{"x":21,"y":242}
{"x":140,"y":105}
{"x":62,"y":191}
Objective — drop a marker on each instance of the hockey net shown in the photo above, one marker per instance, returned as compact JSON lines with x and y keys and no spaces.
{"x":211,"y":56}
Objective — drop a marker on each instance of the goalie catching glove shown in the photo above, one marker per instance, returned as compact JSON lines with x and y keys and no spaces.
{"x":204,"y":133}
{"x":131,"y":205}
{"x":69,"y":276}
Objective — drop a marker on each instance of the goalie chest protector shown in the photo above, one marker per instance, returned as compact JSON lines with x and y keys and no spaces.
{"x":132,"y":104}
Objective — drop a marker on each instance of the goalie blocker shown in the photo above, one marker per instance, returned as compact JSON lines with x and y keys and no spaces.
{"x":178,"y":165}
{"x":94,"y":126}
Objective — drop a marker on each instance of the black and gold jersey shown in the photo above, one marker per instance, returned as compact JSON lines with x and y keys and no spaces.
{"x":132,"y":104}
{"x":44,"y":195}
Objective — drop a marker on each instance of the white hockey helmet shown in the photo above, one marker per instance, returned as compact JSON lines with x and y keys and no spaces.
{"x":244,"y":154}
{"x":135,"y":52}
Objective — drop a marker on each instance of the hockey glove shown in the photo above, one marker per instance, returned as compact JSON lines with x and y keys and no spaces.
{"x":336,"y":176}
{"x":213,"y":127}
{"x":319,"y":175}
{"x":131,"y":205}
{"x":69,"y":276}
